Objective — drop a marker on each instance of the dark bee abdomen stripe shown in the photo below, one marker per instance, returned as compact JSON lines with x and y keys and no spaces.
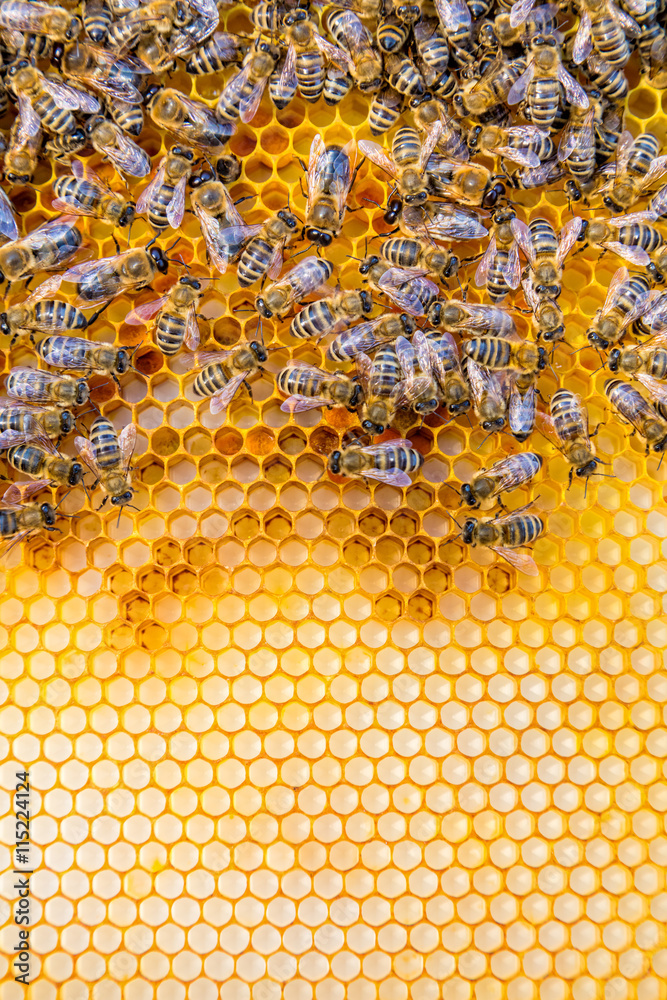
{"x":645,"y":148}
{"x":636,"y":286}
{"x":610,"y":41}
{"x":58,"y":314}
{"x":523,"y":530}
{"x":658,"y":364}
{"x":16,"y":420}
{"x":25,"y":458}
{"x":390,"y":36}
{"x":315,"y":319}
{"x":401,"y":252}
{"x":9,"y":523}
{"x":566,"y":415}
{"x":543,"y":237}
{"x":406,"y":146}
{"x":310,"y":74}
{"x":82,"y":190}
{"x":381,"y":118}
{"x":169,"y":333}
{"x":496,"y":286}
{"x":386,"y":372}
{"x":105,"y":443}
{"x":638,"y":234}
{"x":254,"y":261}
{"x":300,"y":381}
{"x":544,"y":98}
{"x":493,"y":352}
{"x":53,"y":118}
{"x":210,"y":380}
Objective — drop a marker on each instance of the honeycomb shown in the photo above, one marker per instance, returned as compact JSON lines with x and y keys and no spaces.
{"x":287,"y":736}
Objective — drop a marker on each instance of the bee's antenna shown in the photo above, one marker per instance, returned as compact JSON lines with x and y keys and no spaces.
{"x":177,"y":240}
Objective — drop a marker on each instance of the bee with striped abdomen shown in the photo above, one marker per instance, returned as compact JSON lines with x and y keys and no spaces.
{"x":42,"y":19}
{"x":567,"y":428}
{"x":410,"y":290}
{"x":392,"y":33}
{"x":603,"y":28}
{"x":40,"y":388}
{"x":576,"y":151}
{"x":330,"y":174}
{"x":476,"y":317}
{"x":192,"y":122}
{"x":440,"y":221}
{"x":428,"y":110}
{"x":546,"y":253}
{"x":84,"y":193}
{"x":456,"y":23}
{"x":99,"y":281}
{"x":46,"y":248}
{"x":39,"y":314}
{"x":463,"y":183}
{"x":176,"y":322}
{"x":28,"y":422}
{"x":644,"y":416}
{"x":242,"y":94}
{"x":508,"y":353}
{"x":383,"y":392}
{"x":216,"y":53}
{"x":637,"y":169}
{"x":446,"y":366}
{"x":632,"y":240}
{"x":403,"y":75}
{"x":481,"y":95}
{"x":421,"y":255}
{"x":76,"y":352}
{"x":390,"y":463}
{"x":526,"y":145}
{"x":420,"y":389}
{"x":522,"y":409}
{"x":22,"y":154}
{"x":366,"y":337}
{"x":385,"y":110}
{"x":490,"y":395}
{"x":113,"y":76}
{"x":96,"y":18}
{"x":307,"y":54}
{"x":649,"y":358}
{"x":308,"y":387}
{"x":45,"y":103}
{"x":505,"y":534}
{"x":503,"y":476}
{"x":628,"y":297}
{"x":19,"y":518}
{"x":60,"y":149}
{"x":499,"y":268}
{"x":40,"y":459}
{"x":163,"y":200}
{"x":329,"y":314}
{"x":307,"y":276}
{"x":220,"y":374}
{"x":109,"y":140}
{"x":365,"y":64}
{"x":407,"y":163}
{"x":257,"y":249}
{"x":544,"y":82}
{"x":108,"y":455}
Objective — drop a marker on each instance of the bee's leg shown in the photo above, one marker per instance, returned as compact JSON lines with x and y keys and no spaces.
{"x":27,"y":284}
{"x":569,"y":482}
{"x":303,"y":193}
{"x":247,"y":385}
{"x":356,"y":171}
{"x":96,"y":315}
{"x":592,"y":434}
{"x":116,"y":243}
{"x":103,"y":503}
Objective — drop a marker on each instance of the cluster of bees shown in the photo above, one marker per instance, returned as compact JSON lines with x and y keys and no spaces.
{"x":500,"y":98}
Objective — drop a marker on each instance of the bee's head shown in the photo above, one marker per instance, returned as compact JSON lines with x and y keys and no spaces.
{"x":259,"y":351}
{"x":75,"y":474}
{"x":614,"y":360}
{"x":48,"y":514}
{"x":122,"y":498}
{"x":469,"y":530}
{"x":334,"y":462}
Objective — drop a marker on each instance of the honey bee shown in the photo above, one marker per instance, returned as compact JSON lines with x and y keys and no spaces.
{"x":464,"y":183}
{"x":542,"y":81}
{"x":407,"y":163}
{"x":649,"y":358}
{"x":308,"y":388}
{"x":567,"y":428}
{"x":61,"y":148}
{"x":652,"y":44}
{"x":365,"y":64}
{"x":163,"y":200}
{"x":20,"y":519}
{"x":611,"y":80}
{"x":412,"y":253}
{"x":489,"y":392}
{"x":647,"y":420}
{"x":383,"y":392}
{"x":603,"y":27}
{"x":329,"y":314}
{"x":46,"y":248}
{"x":41,"y":460}
{"x":526,"y":145}
{"x":214,"y":207}
{"x":39,"y":388}
{"x":190,"y":121}
{"x":499,"y":353}
{"x":39,"y":19}
{"x":546,"y":253}
{"x":282,"y":89}
{"x":306,"y":55}
{"x":77,"y":352}
{"x":38,"y":313}
{"x":576,"y":150}
{"x":84,"y":193}
{"x":309,"y":275}
{"x":337,"y":85}
{"x":446,"y":366}
{"x":548,"y":315}
{"x":366,"y":337}
{"x":389,"y":463}
{"x":115,"y":77}
{"x":632,"y":240}
{"x":499,"y":268}
{"x":45,"y":103}
{"x":637,"y":169}
{"x":156,"y":18}
{"x":22,"y":154}
{"x":420,"y":387}
{"x":522,"y":410}
{"x":259,"y":248}
{"x":128,"y":117}
{"x":218,"y":52}
{"x":475,"y":317}
{"x":456,"y":21}
{"x":628,"y":297}
{"x":108,"y":455}
{"x":221,"y":373}
{"x":427,"y":111}
{"x":99,"y":281}
{"x":479,"y":96}
{"x":503,"y":476}
{"x":20,"y":422}
{"x":241,"y":97}
{"x":330,"y":174}
{"x":96,"y":17}
{"x":176,"y":322}
{"x":392,"y":33}
{"x":404,"y":76}
{"x":505,"y":534}
{"x":109,"y":141}
{"x":410,"y":290}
